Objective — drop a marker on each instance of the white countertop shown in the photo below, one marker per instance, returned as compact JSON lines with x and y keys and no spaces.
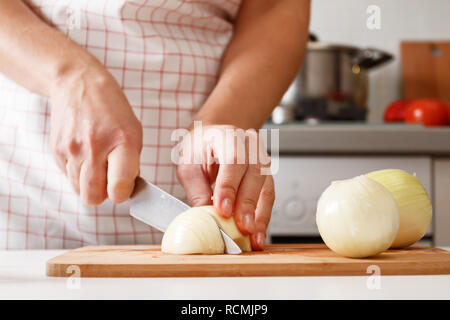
{"x":22,"y":276}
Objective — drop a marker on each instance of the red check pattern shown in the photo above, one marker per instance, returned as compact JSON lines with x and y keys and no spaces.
{"x":165,"y":54}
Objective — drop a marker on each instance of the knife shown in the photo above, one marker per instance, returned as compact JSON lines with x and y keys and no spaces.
{"x":157,"y":208}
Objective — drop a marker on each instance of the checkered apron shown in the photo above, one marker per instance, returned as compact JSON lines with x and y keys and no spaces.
{"x":165,"y":54}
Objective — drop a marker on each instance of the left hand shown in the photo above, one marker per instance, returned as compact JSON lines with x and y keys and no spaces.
{"x":243,"y":188}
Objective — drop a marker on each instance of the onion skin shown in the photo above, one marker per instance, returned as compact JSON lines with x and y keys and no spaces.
{"x":413,"y":203}
{"x":357,"y":218}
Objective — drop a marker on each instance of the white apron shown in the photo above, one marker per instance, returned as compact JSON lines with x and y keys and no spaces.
{"x":165,"y":54}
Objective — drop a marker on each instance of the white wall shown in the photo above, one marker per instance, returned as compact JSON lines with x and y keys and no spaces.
{"x":344,"y":21}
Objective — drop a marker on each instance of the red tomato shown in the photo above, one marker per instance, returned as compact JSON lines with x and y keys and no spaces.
{"x":395,"y":112}
{"x":427,"y":111}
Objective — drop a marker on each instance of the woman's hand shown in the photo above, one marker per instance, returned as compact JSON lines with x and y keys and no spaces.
{"x":95,"y":136}
{"x":260,"y":62}
{"x":243,"y":185}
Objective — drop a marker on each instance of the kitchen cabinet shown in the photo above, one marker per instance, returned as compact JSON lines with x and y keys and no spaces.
{"x":311,"y":156}
{"x":441,"y":201}
{"x":301,"y":179}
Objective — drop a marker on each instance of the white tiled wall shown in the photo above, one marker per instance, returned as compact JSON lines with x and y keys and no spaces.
{"x":344,"y":21}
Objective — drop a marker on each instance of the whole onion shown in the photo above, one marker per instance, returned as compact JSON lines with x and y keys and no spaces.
{"x":413,"y":203}
{"x":357,"y":217}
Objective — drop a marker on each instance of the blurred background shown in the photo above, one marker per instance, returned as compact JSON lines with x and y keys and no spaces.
{"x":344,"y":22}
{"x":373,"y":93}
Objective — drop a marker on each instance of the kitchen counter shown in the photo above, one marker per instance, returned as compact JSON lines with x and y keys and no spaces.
{"x":362,"y":138}
{"x":22,"y":276}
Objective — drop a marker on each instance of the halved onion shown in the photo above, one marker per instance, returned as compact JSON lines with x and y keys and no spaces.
{"x":230,"y":228}
{"x":197,"y":231}
{"x":193,"y":232}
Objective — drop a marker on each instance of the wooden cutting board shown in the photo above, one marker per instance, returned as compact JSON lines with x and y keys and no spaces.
{"x":425,"y":70}
{"x":276,"y":260}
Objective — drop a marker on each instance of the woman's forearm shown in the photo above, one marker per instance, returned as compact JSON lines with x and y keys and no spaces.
{"x":260,"y":62}
{"x":32,"y":53}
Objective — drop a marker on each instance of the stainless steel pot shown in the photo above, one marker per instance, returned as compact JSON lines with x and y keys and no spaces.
{"x":333,"y":82}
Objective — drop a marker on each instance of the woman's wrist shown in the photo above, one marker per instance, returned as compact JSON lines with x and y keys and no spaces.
{"x":227,"y":114}
{"x":72,"y":71}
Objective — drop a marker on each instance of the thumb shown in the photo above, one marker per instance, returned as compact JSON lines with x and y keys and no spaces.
{"x":123,"y":168}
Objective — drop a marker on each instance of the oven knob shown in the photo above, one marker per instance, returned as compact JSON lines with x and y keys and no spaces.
{"x":294,"y":208}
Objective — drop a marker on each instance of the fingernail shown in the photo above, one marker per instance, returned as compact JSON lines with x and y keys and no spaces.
{"x":227,"y":207}
{"x":261,"y":240}
{"x":249,"y":223}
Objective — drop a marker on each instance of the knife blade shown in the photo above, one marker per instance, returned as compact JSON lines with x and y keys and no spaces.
{"x":157,"y":208}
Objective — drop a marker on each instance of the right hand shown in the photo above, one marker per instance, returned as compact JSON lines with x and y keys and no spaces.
{"x":95,"y":136}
